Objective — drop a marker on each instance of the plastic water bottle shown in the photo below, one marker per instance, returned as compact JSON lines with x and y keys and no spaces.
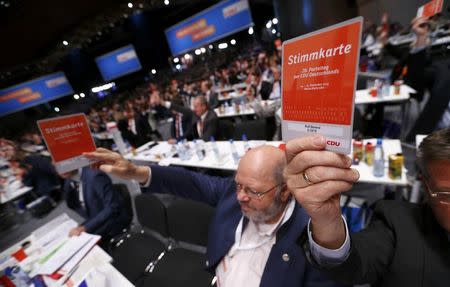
{"x":234,"y":152}
{"x":378,"y":159}
{"x":181,"y":150}
{"x":187,"y":148}
{"x":246,"y":145}
{"x":214,"y":147}
{"x":385,"y":90}
{"x":198,"y":150}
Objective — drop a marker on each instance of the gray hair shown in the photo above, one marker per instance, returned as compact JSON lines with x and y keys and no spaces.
{"x":436,"y":146}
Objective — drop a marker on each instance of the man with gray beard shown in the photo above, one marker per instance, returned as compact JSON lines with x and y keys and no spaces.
{"x":253,"y":234}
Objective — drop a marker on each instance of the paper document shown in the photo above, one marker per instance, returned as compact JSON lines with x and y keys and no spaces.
{"x":319,"y":73}
{"x":67,"y":138}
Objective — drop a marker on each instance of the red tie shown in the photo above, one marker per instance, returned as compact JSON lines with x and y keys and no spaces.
{"x":177,"y":126}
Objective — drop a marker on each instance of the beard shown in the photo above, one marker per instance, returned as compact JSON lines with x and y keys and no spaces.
{"x":261,"y":216}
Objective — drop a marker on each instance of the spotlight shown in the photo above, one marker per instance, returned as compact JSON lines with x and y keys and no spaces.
{"x":203,"y":50}
{"x":223,"y":46}
{"x":274,"y":31}
{"x":275,"y":21}
{"x":187,"y":56}
{"x":176,"y":60}
{"x":250,"y":31}
{"x":82,"y":95}
{"x":57,"y":109}
{"x":130,"y":5}
{"x":166,"y":2}
{"x":197,"y":52}
{"x":76,"y":97}
{"x":65,"y":43}
{"x":153,"y":71}
{"x":211,"y":47}
{"x":269,"y":24}
{"x":233,"y":42}
{"x":178,"y":66}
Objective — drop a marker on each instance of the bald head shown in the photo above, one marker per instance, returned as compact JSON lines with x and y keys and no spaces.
{"x":263,"y":163}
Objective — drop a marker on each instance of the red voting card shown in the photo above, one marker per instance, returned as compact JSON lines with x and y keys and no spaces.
{"x":318,"y":84}
{"x":430,"y":9}
{"x":67,"y":138}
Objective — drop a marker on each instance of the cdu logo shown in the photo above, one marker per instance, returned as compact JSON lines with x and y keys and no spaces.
{"x":333,"y":143}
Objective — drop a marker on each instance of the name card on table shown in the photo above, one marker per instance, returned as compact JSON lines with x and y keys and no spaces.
{"x":67,"y":137}
{"x":319,"y":74}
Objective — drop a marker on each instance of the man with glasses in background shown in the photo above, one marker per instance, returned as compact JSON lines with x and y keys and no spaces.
{"x":405,"y":244}
{"x":253,"y":235}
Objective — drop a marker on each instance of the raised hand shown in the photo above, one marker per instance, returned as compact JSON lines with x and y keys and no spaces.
{"x":113,"y":163}
{"x":316,"y":178}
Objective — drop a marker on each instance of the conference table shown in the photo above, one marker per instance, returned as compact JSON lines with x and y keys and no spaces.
{"x":74,"y":261}
{"x":165,"y":154}
{"x":363,"y":97}
{"x":238,"y":110}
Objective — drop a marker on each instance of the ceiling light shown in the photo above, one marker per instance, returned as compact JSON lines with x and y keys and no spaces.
{"x":176,"y":60}
{"x":153,"y":71}
{"x":65,"y":43}
{"x":82,"y":95}
{"x":275,"y":21}
{"x":130,"y":5}
{"x":203,"y":50}
{"x":274,"y":31}
{"x":250,"y":31}
{"x":166,"y":2}
{"x":76,"y":97}
{"x":223,"y":46}
{"x":269,"y":24}
{"x":197,"y":52}
{"x":233,"y":42}
{"x":57,"y":109}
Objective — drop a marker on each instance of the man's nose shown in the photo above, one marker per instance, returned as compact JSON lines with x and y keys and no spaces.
{"x":242,"y":196}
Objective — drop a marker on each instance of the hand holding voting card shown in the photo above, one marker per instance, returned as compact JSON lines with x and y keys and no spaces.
{"x":67,"y":138}
{"x":318,"y":84}
{"x":430,"y":9}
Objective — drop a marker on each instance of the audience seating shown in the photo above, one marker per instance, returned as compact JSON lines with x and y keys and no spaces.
{"x":136,"y":250}
{"x":170,"y":248}
{"x":255,"y":130}
{"x":184,"y":264}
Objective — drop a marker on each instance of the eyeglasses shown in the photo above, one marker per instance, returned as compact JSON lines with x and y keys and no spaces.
{"x":445,"y":195}
{"x":254,"y":194}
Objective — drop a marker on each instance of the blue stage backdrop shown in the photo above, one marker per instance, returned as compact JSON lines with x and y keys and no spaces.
{"x":34,"y":92}
{"x":118,"y":63}
{"x":218,"y":21}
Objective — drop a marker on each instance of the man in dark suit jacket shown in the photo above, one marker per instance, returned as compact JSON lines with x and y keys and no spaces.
{"x":41,"y":175}
{"x":207,"y":124}
{"x":253,"y":235}
{"x":405,"y":244}
{"x":211,"y":98}
{"x":91,"y":194}
{"x":202,"y":123}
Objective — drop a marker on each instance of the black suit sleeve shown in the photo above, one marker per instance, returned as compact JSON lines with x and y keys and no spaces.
{"x":420,"y":73}
{"x":185,"y":111}
{"x":370,"y":255}
{"x":211,"y":126}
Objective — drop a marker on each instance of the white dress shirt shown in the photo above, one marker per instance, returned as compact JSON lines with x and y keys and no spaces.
{"x":276,"y":91}
{"x":199,"y":127}
{"x":329,"y":257}
{"x":245,"y":262}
